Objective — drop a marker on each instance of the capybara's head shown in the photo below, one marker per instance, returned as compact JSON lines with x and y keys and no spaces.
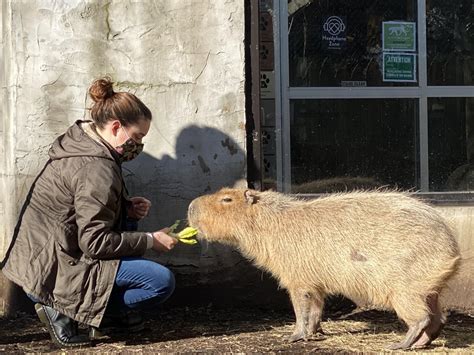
{"x":218,"y":216}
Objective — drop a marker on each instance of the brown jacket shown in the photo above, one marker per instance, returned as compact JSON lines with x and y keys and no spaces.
{"x":67,"y":244}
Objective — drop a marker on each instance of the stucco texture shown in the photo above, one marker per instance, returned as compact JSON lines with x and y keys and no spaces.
{"x":184,"y":59}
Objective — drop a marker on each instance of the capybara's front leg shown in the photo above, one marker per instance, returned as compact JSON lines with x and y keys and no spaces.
{"x":316,"y":304}
{"x":301,"y":305}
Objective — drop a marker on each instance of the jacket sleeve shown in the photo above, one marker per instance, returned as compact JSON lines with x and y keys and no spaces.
{"x":98,"y":189}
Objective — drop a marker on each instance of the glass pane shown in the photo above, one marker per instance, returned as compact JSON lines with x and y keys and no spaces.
{"x":339,"y":145}
{"x":451,"y":144}
{"x":450,"y":42}
{"x":339,"y":43}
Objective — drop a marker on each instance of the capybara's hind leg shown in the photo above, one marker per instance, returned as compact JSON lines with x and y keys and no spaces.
{"x":415,"y":315}
{"x":437,"y":321}
{"x":300,"y":300}
{"x":414,"y":332}
{"x":316,"y":304}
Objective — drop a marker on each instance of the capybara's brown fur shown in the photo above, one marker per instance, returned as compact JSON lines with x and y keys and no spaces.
{"x":386,"y":248}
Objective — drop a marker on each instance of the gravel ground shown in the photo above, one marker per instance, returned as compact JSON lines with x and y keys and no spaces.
{"x":209,"y":330}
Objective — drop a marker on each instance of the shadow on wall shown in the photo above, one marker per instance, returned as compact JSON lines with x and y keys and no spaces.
{"x":205,"y":159}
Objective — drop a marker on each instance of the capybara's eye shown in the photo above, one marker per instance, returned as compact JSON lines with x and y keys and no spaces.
{"x":226,"y":199}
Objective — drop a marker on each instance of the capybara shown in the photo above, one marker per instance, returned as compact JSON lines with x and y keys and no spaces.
{"x":384,"y":247}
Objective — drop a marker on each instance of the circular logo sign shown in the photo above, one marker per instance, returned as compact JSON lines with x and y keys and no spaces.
{"x":334,"y":25}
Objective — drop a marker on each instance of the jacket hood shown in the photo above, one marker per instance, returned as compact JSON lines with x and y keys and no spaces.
{"x":77,"y":143}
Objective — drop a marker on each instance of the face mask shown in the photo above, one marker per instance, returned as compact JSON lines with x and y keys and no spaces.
{"x":130,"y":149}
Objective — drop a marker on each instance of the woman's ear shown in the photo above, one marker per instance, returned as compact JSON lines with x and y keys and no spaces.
{"x":115,"y":126}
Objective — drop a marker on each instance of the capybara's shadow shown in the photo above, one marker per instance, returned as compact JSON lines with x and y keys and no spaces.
{"x":205,"y":322}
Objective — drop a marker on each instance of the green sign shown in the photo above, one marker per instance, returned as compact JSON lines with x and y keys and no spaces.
{"x":399,"y":36}
{"x":399,"y":67}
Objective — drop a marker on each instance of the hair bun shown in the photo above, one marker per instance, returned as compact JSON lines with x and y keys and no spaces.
{"x":101,"y":89}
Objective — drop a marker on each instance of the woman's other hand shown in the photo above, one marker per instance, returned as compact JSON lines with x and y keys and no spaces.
{"x":162,"y":241}
{"x":139,"y":207}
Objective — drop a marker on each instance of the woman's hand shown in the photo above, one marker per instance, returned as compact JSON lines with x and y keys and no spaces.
{"x":162,"y":241}
{"x":139,"y":208}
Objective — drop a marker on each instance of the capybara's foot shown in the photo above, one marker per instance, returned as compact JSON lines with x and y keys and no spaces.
{"x":397,"y":346}
{"x":297,"y":336}
{"x":423,"y":341}
{"x":430,"y":334}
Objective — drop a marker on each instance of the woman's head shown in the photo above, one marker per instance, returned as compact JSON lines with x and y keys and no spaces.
{"x":110,"y":105}
{"x":121,"y":118}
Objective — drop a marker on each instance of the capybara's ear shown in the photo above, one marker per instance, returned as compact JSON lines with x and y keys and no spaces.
{"x":250,"y":196}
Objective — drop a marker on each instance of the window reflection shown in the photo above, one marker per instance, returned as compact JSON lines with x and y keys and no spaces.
{"x":450,"y":42}
{"x":355,"y":59}
{"x":339,"y":145}
{"x":451,"y":144}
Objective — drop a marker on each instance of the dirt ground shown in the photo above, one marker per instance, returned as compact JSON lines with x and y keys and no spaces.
{"x":209,"y":330}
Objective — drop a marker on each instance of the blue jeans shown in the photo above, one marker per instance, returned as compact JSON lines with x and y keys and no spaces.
{"x":140,"y":284}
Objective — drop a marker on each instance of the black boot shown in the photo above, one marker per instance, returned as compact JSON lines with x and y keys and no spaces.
{"x":125,"y":322}
{"x":63,"y":330}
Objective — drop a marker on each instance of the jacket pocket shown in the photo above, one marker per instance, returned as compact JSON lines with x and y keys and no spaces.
{"x":72,"y":277}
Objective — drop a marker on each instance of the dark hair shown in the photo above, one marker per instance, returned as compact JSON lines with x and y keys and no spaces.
{"x":109,"y":105}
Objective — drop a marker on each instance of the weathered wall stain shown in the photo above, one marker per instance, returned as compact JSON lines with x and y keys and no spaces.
{"x":204,"y":167}
{"x":232,"y":149}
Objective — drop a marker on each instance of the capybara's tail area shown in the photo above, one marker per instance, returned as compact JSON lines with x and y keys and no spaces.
{"x":412,"y":301}
{"x":439,"y":278}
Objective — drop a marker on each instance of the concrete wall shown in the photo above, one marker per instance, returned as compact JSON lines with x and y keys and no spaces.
{"x":460,"y":291}
{"x":184,"y":59}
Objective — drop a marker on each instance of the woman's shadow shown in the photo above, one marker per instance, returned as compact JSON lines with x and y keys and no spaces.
{"x":204,"y":160}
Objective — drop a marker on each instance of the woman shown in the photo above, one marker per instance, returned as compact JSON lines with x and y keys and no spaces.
{"x":71,"y":253}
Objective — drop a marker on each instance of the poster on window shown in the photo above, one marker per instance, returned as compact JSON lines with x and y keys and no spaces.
{"x":334,"y":36}
{"x":399,"y":67}
{"x":399,"y":36}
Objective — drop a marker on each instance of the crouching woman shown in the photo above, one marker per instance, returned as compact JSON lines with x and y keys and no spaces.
{"x":71,"y":252}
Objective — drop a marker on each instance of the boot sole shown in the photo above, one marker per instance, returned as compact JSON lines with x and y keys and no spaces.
{"x":46,"y":321}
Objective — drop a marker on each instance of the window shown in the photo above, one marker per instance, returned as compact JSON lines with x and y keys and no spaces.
{"x":450,"y":42}
{"x":367,"y":93}
{"x":340,"y":144}
{"x":339,"y":42}
{"x":451,"y":144}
